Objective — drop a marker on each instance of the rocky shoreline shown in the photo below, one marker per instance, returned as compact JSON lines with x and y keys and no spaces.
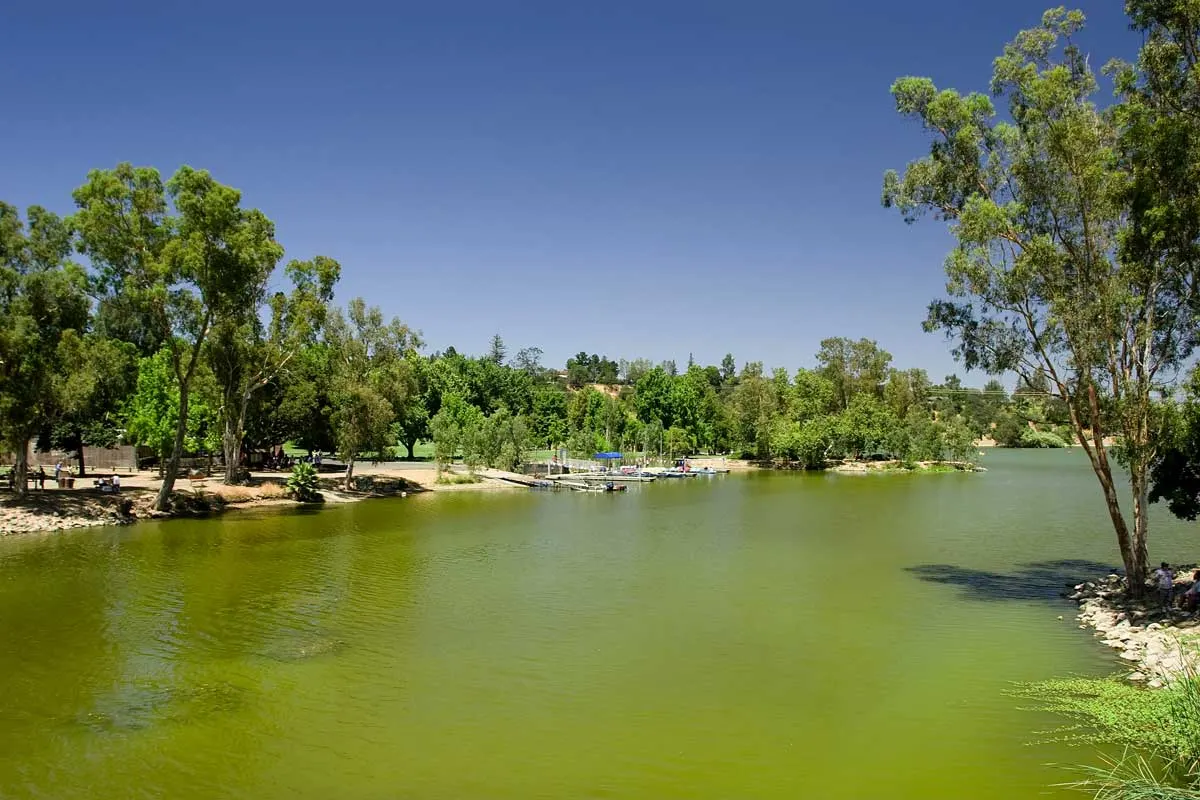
{"x":1160,"y":647}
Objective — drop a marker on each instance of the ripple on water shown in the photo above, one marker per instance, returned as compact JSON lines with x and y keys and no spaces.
{"x":292,"y":649}
{"x":136,"y":707}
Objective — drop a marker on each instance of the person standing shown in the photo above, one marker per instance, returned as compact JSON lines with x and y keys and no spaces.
{"x":58,"y":474}
{"x":1164,"y":579}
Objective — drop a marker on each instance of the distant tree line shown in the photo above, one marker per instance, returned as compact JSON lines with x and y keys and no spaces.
{"x":165,"y":335}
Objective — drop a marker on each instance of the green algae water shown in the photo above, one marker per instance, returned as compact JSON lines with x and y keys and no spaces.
{"x":745,"y":636}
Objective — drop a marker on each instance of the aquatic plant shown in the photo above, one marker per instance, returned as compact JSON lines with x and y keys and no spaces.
{"x":1159,"y":731}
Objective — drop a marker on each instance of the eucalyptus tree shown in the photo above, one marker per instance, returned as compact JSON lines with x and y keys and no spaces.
{"x":369,"y":363}
{"x":184,"y":254}
{"x":1044,"y":277}
{"x":246,"y":356}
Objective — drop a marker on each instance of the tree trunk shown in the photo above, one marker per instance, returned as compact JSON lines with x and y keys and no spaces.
{"x":231,"y":446}
{"x":21,"y":469}
{"x":231,"y":440}
{"x":1137,"y":566}
{"x":1135,"y":570}
{"x":82,"y":471}
{"x":411,"y":445}
{"x":168,"y":482}
{"x":349,"y":473}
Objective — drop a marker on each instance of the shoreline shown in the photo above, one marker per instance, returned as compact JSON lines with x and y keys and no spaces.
{"x":1159,"y":647}
{"x":54,"y":510}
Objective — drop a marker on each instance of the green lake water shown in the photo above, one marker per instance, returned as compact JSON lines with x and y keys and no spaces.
{"x":746,"y":636}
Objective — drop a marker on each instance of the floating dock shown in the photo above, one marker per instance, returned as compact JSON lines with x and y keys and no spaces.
{"x":602,"y":477}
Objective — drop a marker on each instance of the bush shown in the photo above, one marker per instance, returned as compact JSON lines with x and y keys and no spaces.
{"x":302,"y":483}
{"x":1045,"y":439}
{"x":456,"y":479}
{"x":1065,"y":433}
{"x":1009,"y":430}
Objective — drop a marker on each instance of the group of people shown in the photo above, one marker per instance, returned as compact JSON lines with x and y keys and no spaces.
{"x":36,"y":477}
{"x":281,"y":460}
{"x":64,"y":476}
{"x":1164,"y":581}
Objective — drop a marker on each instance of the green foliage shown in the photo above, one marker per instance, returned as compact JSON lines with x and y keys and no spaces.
{"x":302,"y":484}
{"x":853,"y":368}
{"x":678,"y":442}
{"x":1075,"y":229}
{"x":154,"y":408}
{"x":804,"y":443}
{"x":1160,"y":730}
{"x":246,"y":357}
{"x":1040,"y":439}
{"x":959,"y":441}
{"x":1010,"y":430}
{"x":584,"y":368}
{"x":454,"y":479}
{"x":865,"y":426}
{"x":43,"y":302}
{"x":1175,"y":472}
{"x":178,"y":272}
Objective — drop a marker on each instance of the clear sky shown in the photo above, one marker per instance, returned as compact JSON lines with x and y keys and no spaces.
{"x":640,"y":179}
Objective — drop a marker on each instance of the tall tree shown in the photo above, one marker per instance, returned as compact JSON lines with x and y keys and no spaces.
{"x":182,"y":270}
{"x":529,"y":361}
{"x":853,"y":367}
{"x":43,"y":300}
{"x":247,"y":356}
{"x":1043,"y":276}
{"x":497,"y":353}
{"x":728,"y":368}
{"x":1160,"y":121}
{"x":371,"y":377}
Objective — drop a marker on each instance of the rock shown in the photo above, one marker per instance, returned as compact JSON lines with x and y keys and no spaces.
{"x":1136,"y":676}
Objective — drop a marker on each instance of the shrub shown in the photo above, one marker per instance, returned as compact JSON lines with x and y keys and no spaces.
{"x":1032,"y":438}
{"x":455,"y":479}
{"x":302,"y":483}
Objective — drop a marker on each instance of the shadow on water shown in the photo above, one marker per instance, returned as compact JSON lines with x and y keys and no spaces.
{"x":1038,"y":580}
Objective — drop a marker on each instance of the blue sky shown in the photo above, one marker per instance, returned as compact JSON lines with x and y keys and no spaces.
{"x":641,"y":179}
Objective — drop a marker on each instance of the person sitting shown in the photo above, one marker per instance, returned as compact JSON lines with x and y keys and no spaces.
{"x":1191,"y":598}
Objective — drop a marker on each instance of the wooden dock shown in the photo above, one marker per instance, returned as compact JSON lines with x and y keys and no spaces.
{"x":511,"y":477}
{"x":602,"y":477}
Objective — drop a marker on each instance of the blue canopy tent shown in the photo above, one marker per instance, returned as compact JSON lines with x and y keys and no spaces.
{"x":608,"y":457}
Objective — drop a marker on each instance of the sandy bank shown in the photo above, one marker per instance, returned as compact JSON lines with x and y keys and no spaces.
{"x":54,"y":509}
